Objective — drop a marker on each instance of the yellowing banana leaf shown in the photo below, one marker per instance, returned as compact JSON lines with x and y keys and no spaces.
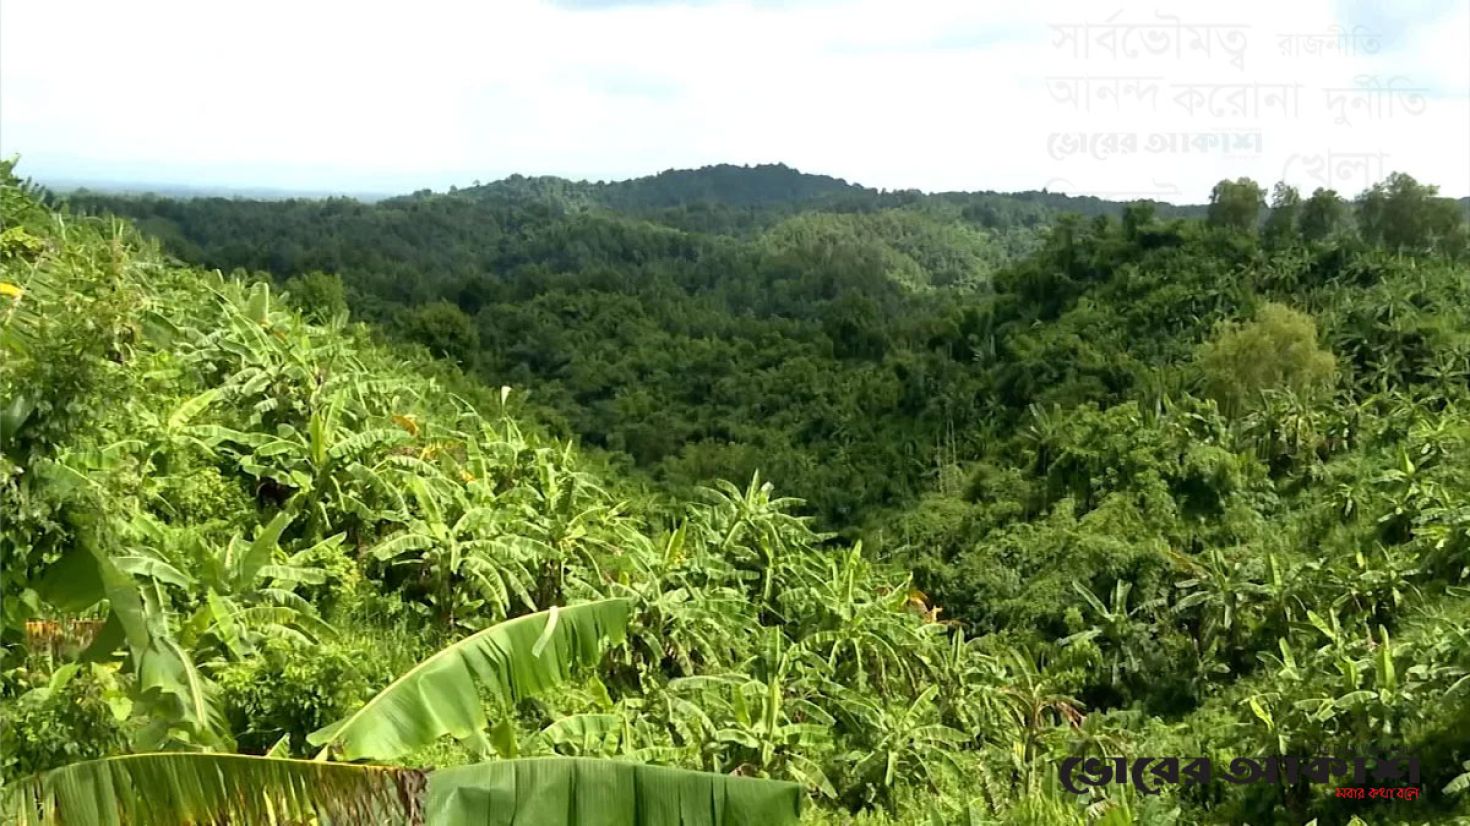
{"x":192,"y":787}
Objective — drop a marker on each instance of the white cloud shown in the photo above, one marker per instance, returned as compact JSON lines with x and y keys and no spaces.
{"x":933,"y":95}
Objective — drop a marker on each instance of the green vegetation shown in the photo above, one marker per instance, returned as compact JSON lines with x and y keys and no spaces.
{"x":702,"y":324}
{"x":1134,"y":482}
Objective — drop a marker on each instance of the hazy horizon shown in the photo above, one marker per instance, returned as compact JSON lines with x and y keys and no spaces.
{"x":140,"y":187}
{"x":1121,"y":102}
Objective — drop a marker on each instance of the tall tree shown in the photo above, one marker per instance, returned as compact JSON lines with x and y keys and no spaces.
{"x":1403,"y":214}
{"x":1236,"y":204}
{"x":1281,"y":224}
{"x":1323,"y":215}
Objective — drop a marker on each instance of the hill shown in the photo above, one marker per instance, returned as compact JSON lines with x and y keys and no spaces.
{"x":1197,"y":489}
{"x":85,"y":187}
{"x":724,"y":196}
{"x":597,"y":296}
{"x":227,"y":526}
{"x":724,"y":184}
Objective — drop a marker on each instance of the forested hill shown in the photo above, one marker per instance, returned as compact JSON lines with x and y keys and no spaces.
{"x":724,"y":184}
{"x":729,"y":198}
{"x":779,"y":187}
{"x":703,"y":323}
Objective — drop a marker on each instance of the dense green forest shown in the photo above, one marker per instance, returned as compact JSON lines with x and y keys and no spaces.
{"x":901,"y":498}
{"x":704,"y":324}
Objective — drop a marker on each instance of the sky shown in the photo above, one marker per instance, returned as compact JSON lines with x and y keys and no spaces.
{"x":1120,"y":100}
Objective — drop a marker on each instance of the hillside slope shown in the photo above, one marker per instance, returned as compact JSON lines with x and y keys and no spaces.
{"x":226,"y":527}
{"x":1202,"y":494}
{"x":604,"y":315}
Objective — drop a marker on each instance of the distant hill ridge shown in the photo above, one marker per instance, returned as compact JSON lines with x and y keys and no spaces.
{"x":719,"y":185}
{"x":760,"y":186}
{"x":746,"y":186}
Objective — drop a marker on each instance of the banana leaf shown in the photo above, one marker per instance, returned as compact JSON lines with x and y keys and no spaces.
{"x":194,"y":787}
{"x":512,"y":661}
{"x":170,"y":788}
{"x":561,"y":791}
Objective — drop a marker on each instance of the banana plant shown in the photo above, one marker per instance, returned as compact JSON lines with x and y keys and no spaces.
{"x":263,"y":358}
{"x":1287,"y":426}
{"x":1376,"y":584}
{"x":1354,"y":689}
{"x":578,"y":525}
{"x":770,"y":727}
{"x":248,"y":588}
{"x":1118,"y":626}
{"x":511,"y":661}
{"x":178,"y":700}
{"x":1460,"y":784}
{"x":685,"y":599}
{"x":908,"y":741}
{"x":627,"y":730}
{"x":563,"y":790}
{"x":182,"y":787}
{"x":860,"y":628}
{"x":1285,"y":590}
{"x":759,"y":529}
{"x":456,"y":543}
{"x":170,"y":690}
{"x":329,"y":467}
{"x":969,"y":683}
{"x":1037,"y":705}
{"x":1219,"y":592}
{"x":164,"y":789}
{"x":1409,"y":489}
{"x":1446,"y":529}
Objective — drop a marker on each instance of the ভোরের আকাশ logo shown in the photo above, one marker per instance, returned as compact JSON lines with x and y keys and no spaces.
{"x":1150,"y":774}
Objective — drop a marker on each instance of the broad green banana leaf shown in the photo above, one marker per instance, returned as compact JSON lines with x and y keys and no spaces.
{"x":513,"y":660}
{"x":167,"y":789}
{"x":577,"y":791}
{"x":197,"y":787}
